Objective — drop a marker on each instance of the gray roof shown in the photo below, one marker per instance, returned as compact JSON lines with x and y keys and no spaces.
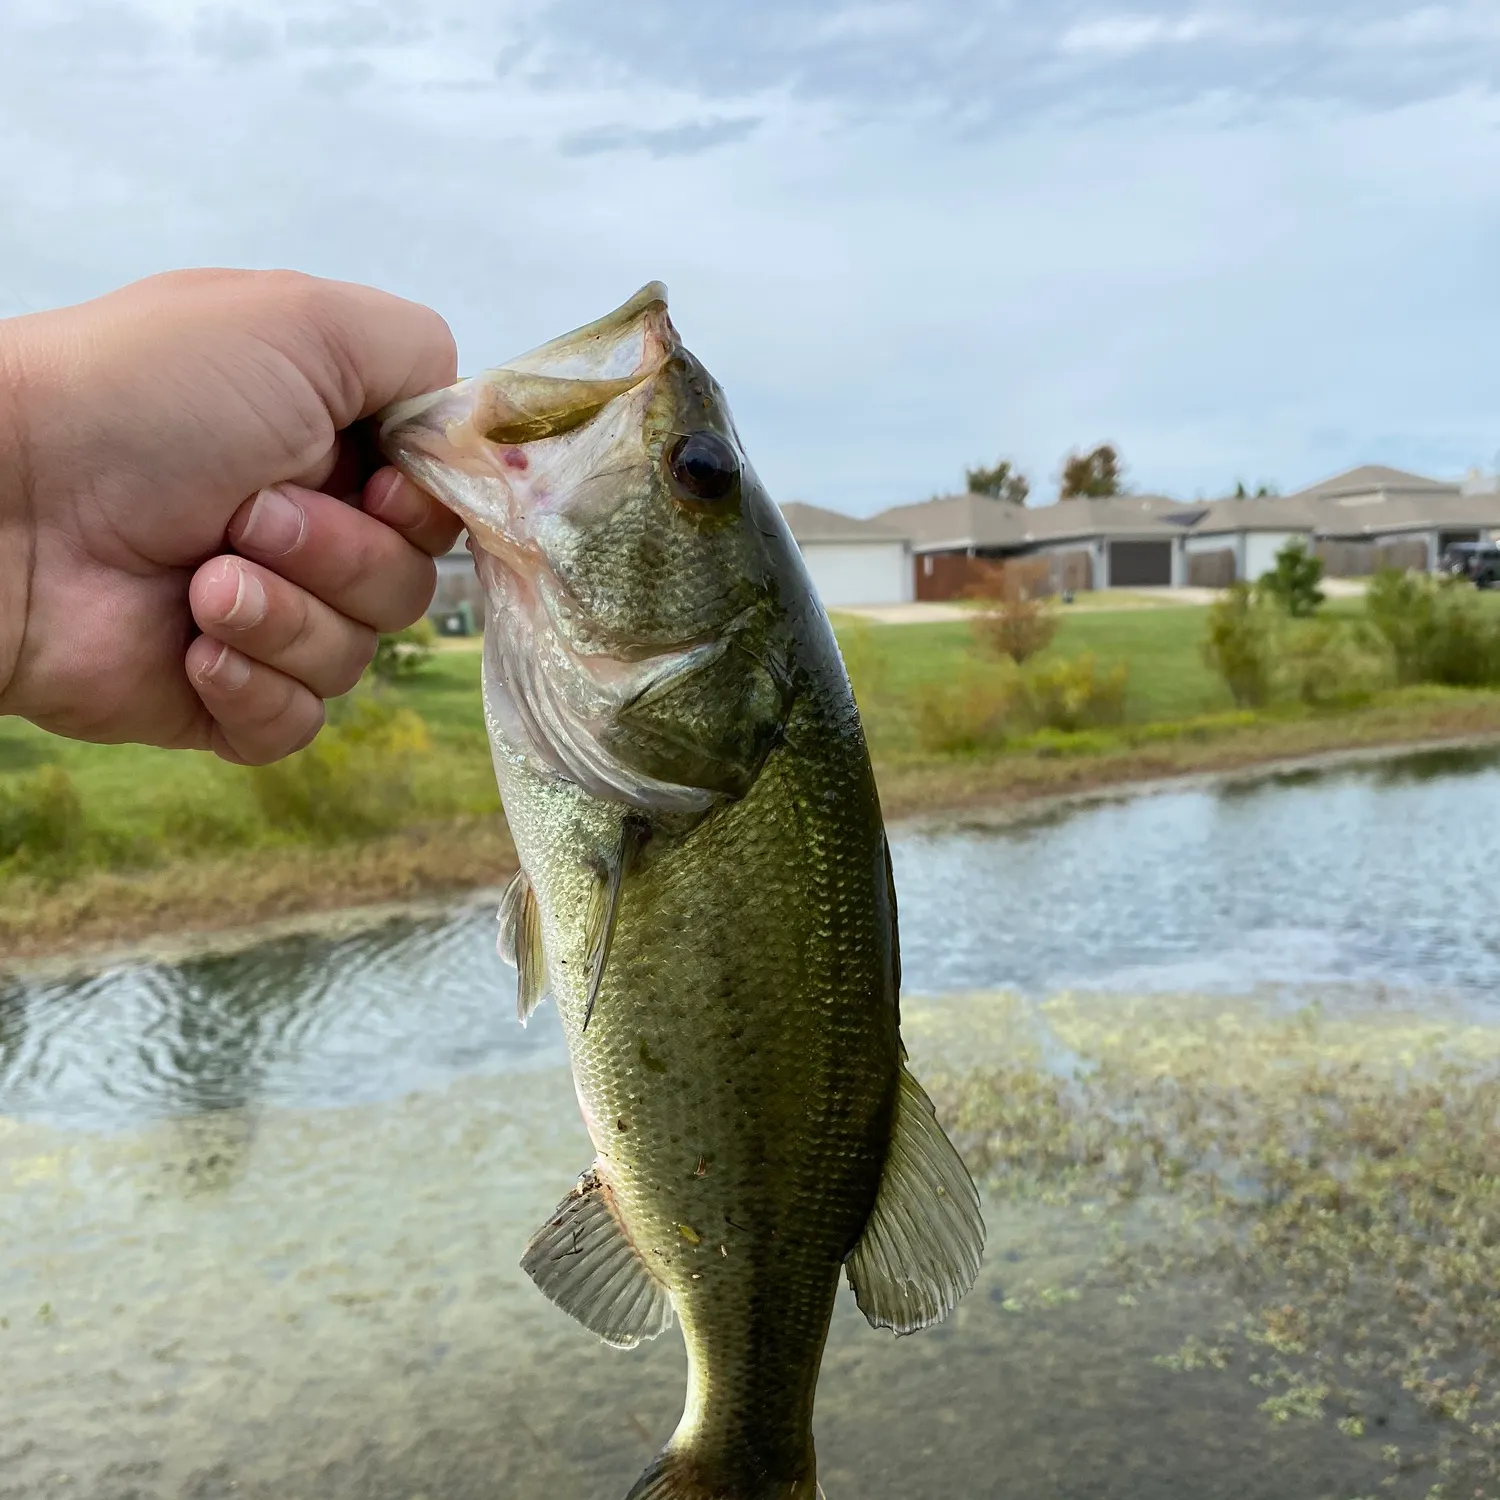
{"x":952,"y":521}
{"x":1372,"y":500}
{"x":811,"y":523}
{"x":1373,"y":477}
{"x":1258,"y":513}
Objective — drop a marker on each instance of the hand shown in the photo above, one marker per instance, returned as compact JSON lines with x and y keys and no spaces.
{"x":176,"y":457}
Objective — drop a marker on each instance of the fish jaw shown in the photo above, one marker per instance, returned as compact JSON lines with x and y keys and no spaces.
{"x":513,"y":445}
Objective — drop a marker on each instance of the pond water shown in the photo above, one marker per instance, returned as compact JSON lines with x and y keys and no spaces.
{"x":262,"y":1212}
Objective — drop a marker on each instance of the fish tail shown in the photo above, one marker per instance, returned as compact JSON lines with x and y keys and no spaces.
{"x":682,"y":1474}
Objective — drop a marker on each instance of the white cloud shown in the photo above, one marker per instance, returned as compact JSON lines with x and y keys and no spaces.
{"x":903,"y":249}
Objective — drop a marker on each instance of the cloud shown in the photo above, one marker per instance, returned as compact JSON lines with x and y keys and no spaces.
{"x":907,"y":238}
{"x":687,"y":139}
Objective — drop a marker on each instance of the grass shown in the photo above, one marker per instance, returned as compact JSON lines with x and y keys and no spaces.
{"x":1335,"y":1177}
{"x":167,"y":838}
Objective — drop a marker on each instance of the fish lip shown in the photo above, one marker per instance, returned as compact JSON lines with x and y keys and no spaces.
{"x":545,"y":392}
{"x":593,"y":344}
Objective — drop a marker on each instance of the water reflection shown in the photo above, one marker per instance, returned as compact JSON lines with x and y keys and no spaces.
{"x":1377,"y":879}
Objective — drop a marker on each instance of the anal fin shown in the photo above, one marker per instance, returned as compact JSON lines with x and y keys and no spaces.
{"x":520,"y":944}
{"x":922,"y":1244}
{"x":581,"y":1259}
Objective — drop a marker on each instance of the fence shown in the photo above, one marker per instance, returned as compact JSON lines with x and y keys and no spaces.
{"x":952,"y":575}
{"x":1211,"y":570}
{"x":1360,"y":559}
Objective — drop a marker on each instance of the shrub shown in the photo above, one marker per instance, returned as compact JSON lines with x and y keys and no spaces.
{"x":1437,"y":632}
{"x":1016,"y":628}
{"x":1241,"y":644}
{"x":1075,"y":693}
{"x":354,"y":780}
{"x":1017,"y":620}
{"x":973,"y":710}
{"x":403,"y":653}
{"x":41,"y":819}
{"x":1334,"y":663}
{"x":1293,"y":582}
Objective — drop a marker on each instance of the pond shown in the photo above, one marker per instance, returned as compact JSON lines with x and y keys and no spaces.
{"x":262,"y":1212}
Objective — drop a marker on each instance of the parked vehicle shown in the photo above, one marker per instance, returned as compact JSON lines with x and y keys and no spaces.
{"x":1477,"y":561}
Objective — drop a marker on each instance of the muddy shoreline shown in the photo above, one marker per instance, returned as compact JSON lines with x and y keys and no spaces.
{"x":1008,"y":807}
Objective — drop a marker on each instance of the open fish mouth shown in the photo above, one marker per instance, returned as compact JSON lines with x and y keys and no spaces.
{"x":467,"y":444}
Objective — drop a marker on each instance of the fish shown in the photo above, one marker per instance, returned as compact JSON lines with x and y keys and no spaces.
{"x":705,"y":891}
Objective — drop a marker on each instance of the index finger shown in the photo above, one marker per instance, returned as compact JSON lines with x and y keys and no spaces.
{"x":362,"y":348}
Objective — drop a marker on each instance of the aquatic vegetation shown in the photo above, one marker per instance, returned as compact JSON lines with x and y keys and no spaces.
{"x":1338,"y":1176}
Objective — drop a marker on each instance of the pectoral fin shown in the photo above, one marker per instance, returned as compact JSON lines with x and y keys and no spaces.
{"x":604,"y":905}
{"x":921,"y":1247}
{"x":583,"y":1261}
{"x":520,"y":944}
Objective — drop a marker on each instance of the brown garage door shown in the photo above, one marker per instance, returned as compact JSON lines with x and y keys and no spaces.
{"x":1140,"y":565}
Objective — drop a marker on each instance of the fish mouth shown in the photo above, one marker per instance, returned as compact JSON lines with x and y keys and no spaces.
{"x":457,"y":442}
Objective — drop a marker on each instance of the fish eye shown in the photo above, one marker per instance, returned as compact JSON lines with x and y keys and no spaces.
{"x":704,"y":467}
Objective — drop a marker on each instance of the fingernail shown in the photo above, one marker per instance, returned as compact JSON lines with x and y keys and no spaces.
{"x":400,"y":506}
{"x":274,"y":525}
{"x":228,"y":671}
{"x":249,"y":607}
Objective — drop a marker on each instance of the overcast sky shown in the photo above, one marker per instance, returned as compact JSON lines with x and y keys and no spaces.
{"x":1258,"y":242}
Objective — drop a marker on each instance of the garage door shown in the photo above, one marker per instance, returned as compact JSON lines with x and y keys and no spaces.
{"x":1140,"y":565}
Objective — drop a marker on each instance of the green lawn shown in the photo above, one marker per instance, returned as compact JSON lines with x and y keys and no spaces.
{"x":137,"y":807}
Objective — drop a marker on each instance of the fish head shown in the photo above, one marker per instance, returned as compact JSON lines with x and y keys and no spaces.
{"x":640,"y":584}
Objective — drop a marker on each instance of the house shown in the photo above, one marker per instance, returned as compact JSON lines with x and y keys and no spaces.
{"x":1364,"y":519}
{"x":851,"y":562}
{"x":1240,"y":537}
{"x":1358,"y":521}
{"x":1373,"y":517}
{"x":1113,"y":541}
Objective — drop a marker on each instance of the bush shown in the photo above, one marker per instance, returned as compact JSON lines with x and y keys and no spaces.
{"x":41,"y":819}
{"x":354,"y":780}
{"x":403,"y":653}
{"x":1016,"y":628}
{"x":973,"y":710}
{"x":1017,"y":621}
{"x":1334,"y":663}
{"x":1241,"y":644}
{"x":1075,"y":694}
{"x":1437,"y":631}
{"x":1293,"y":582}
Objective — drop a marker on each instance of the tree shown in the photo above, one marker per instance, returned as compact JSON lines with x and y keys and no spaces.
{"x":1096,"y":473}
{"x":1261,"y":491}
{"x":1003,"y":482}
{"x":1293,"y":582}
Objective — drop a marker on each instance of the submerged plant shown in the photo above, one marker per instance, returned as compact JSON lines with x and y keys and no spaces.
{"x":1340,"y":1175}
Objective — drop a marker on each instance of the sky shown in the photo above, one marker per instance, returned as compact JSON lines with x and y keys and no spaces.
{"x":1257,"y":242}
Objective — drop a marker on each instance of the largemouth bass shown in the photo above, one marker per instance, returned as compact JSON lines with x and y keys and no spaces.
{"x":705,"y":891}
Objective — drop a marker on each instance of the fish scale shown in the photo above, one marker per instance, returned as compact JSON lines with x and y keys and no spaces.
{"x":704,"y":892}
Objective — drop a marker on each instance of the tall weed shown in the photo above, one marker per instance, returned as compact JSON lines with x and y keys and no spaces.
{"x":1076,"y":693}
{"x":41,"y":819}
{"x":354,"y":780}
{"x":1437,"y":631}
{"x":1334,"y":663}
{"x":1242,"y":643}
{"x":973,"y":710}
